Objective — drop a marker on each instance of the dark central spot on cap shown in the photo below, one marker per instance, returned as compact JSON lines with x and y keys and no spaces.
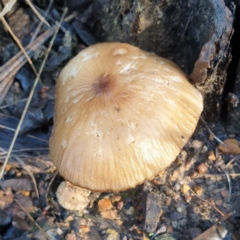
{"x":103,"y":84}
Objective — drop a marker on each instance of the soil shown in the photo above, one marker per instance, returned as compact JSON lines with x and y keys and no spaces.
{"x":197,"y":197}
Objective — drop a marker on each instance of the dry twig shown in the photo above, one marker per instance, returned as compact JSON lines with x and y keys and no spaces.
{"x":37,"y":13}
{"x":30,"y":97}
{"x":29,"y":172}
{"x":30,"y":217}
{"x":219,"y":140}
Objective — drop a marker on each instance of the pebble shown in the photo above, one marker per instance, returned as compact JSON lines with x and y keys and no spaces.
{"x":6,"y":198}
{"x":104,"y":204}
{"x":184,"y":188}
{"x":129,"y":211}
{"x":202,"y":168}
{"x":188,"y":198}
{"x":224,"y":193}
{"x":177,"y":186}
{"x":196,"y":144}
{"x":85,"y":228}
{"x":211,"y":156}
{"x":112,"y":234}
{"x":120,"y":205}
{"x":110,"y":214}
{"x":72,"y":197}
{"x":71,"y":236}
{"x":198,"y":190}
{"x":116,"y":198}
{"x":232,"y":146}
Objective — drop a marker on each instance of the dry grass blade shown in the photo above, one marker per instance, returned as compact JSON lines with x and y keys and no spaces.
{"x":41,"y":22}
{"x":11,"y":104}
{"x":3,"y":153}
{"x":29,"y":135}
{"x":19,"y":45}
{"x":30,"y":217}
{"x":20,"y":161}
{"x":219,"y":140}
{"x":49,"y":185}
{"x":211,"y":203}
{"x":7,"y":8}
{"x":9,"y":69}
{"x":30,"y":97}
{"x":36,"y":12}
{"x":229,"y":183}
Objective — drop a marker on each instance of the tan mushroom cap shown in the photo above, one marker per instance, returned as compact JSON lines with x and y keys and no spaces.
{"x":122,"y":115}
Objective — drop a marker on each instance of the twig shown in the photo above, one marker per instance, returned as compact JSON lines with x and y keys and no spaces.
{"x":19,"y":45}
{"x":8,"y":7}
{"x":229,"y":183}
{"x":11,"y":104}
{"x":29,"y":135}
{"x":41,"y":22}
{"x":30,"y":217}
{"x":30,"y":97}
{"x":219,"y":140}
{"x":9,"y":69}
{"x":211,"y":203}
{"x":218,"y":175}
{"x":37,"y":13}
{"x":49,"y":185}
{"x":29,"y":172}
{"x":24,"y":150}
{"x":235,"y":158}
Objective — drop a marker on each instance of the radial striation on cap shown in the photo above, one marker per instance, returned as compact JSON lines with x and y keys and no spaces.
{"x":122,"y":115}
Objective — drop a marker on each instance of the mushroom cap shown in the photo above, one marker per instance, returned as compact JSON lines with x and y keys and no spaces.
{"x":122,"y":115}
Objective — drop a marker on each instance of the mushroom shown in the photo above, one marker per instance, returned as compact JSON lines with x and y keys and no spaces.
{"x":122,"y":115}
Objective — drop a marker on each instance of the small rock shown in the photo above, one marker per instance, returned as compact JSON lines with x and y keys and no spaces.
{"x":211,"y":156}
{"x":104,"y":204}
{"x":188,"y":198}
{"x":112,"y":234}
{"x":152,"y":211}
{"x":177,"y":186}
{"x":72,"y":197}
{"x":198,"y":190}
{"x":193,"y":174}
{"x":129,"y":211}
{"x":211,"y":137}
{"x":110,"y":214}
{"x":184,"y":188}
{"x":71,"y":236}
{"x":116,"y":198}
{"x":224,"y":193}
{"x":6,"y":198}
{"x":120,"y":205}
{"x":167,"y":201}
{"x":196,"y":144}
{"x":204,"y":149}
{"x":85,"y":228}
{"x":202,"y":168}
{"x":232,"y":146}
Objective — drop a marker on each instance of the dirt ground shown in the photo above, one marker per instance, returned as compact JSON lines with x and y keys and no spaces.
{"x":197,"y":197}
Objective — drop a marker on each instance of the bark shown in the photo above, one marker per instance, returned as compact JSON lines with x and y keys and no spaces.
{"x":194,"y":34}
